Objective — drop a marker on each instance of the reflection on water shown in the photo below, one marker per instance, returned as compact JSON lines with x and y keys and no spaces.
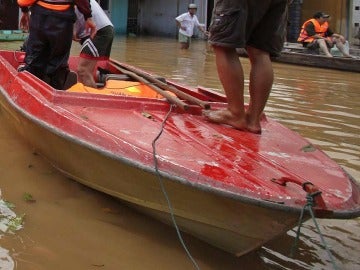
{"x":9,"y":223}
{"x":83,"y":229}
{"x":6,"y":262}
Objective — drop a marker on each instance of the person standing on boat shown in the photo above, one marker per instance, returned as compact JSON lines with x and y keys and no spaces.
{"x":50,"y":37}
{"x":186,"y":23}
{"x":315,"y":33}
{"x":95,"y":49}
{"x":260,"y":27}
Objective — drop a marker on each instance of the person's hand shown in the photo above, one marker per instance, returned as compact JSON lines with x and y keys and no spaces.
{"x":342,"y":39}
{"x":76,"y":38}
{"x":90,"y":27}
{"x":206,"y":33}
{"x":329,"y":42}
{"x":24,"y":21}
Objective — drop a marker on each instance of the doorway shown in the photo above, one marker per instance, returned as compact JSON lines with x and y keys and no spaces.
{"x":132,"y":22}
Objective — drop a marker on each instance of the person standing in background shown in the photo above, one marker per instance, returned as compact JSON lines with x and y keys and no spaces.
{"x":50,"y":37}
{"x":95,"y":49}
{"x":186,"y":23}
{"x":260,"y":27}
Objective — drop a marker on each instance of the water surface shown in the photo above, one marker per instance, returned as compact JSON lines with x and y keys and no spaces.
{"x":73,"y":227}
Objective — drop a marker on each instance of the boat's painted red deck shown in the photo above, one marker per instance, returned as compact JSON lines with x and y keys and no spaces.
{"x":215,"y":156}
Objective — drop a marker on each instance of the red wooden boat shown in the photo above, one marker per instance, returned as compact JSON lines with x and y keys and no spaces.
{"x":232,"y":189}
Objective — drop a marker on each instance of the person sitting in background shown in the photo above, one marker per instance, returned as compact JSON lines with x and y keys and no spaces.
{"x":315,"y":33}
{"x":186,"y":23}
{"x":93,"y":49}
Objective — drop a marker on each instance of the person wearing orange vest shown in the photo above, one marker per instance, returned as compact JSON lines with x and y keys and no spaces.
{"x":50,"y":37}
{"x":316,"y":33}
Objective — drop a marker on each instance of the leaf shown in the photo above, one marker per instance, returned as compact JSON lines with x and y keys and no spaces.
{"x":15,"y":223}
{"x":147,"y":115}
{"x":308,"y":148}
{"x":28,"y":197}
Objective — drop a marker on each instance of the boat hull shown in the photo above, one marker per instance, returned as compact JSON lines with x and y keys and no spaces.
{"x":301,"y":58}
{"x":222,"y":221}
{"x":319,"y":61}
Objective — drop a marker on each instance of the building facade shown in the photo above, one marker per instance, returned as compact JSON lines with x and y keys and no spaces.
{"x":157,"y":17}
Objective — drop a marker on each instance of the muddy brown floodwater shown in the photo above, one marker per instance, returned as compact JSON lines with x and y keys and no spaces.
{"x":70,"y":226}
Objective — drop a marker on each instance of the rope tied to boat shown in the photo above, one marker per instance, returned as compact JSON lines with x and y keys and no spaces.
{"x":171,"y":210}
{"x":311,"y":198}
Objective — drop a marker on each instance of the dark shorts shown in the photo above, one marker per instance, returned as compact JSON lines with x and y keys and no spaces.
{"x":98,"y":48}
{"x":257,"y":23}
{"x":315,"y":45}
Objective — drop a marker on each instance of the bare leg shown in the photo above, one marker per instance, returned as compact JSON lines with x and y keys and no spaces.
{"x":261,"y":80}
{"x":323,"y":47}
{"x":231,"y":76}
{"x":184,"y":45}
{"x":341,"y":47}
{"x":85,"y":72}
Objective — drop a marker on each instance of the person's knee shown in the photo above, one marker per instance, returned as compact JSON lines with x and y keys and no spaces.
{"x":254,"y":52}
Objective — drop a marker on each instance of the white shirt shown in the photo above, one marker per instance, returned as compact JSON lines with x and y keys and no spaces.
{"x":189,"y":22}
{"x":98,"y":15}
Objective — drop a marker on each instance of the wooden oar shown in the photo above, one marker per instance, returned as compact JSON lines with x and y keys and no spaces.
{"x":165,"y":86}
{"x":170,"y":98}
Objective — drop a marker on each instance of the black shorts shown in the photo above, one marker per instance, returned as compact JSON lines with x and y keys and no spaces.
{"x":315,"y":45}
{"x":98,"y":48}
{"x":257,"y":23}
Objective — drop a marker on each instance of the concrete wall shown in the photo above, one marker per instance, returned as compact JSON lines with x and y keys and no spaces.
{"x":157,"y":17}
{"x":355,"y":21}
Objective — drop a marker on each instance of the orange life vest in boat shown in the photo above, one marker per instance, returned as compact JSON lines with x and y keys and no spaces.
{"x":320,"y":29}
{"x":58,"y":5}
{"x":120,"y":88}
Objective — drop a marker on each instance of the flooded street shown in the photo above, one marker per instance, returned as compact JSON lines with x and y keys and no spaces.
{"x":69,"y":226}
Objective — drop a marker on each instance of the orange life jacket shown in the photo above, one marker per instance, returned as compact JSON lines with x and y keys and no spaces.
{"x":58,"y":5}
{"x":25,"y":3}
{"x":319,"y":29}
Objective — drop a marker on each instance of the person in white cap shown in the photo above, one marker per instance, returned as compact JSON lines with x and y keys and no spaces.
{"x":186,"y":23}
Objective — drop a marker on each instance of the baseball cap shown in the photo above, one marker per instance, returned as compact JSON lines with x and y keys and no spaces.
{"x":321,"y":14}
{"x":192,"y":6}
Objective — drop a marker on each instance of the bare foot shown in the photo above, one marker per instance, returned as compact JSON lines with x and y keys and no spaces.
{"x":253,"y":125}
{"x":227,"y":118}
